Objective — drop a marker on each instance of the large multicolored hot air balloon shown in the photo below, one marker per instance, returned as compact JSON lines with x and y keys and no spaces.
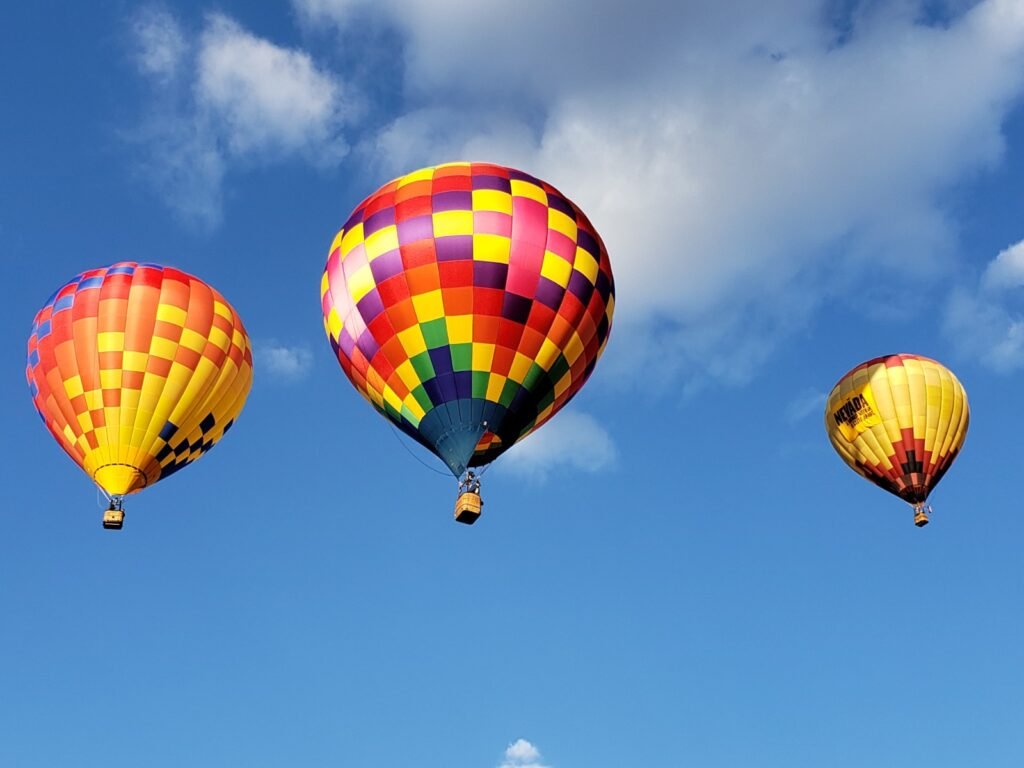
{"x":137,"y":370}
{"x":468,"y":303}
{"x":899,"y":421}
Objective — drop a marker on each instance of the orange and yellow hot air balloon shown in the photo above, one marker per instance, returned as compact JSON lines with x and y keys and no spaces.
{"x":137,"y":370}
{"x":900,"y":421}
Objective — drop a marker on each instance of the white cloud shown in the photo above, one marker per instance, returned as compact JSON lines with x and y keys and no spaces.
{"x":983,"y":324}
{"x":744,"y":162}
{"x":184,"y":165}
{"x":160,"y":43}
{"x":1006,"y":271}
{"x":522,"y":754}
{"x":237,"y":98}
{"x":569,"y":439}
{"x":284,"y":362}
{"x":267,"y":98}
{"x":808,"y":402}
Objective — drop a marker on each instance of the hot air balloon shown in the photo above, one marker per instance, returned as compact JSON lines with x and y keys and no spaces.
{"x":468,"y":303}
{"x":137,"y":370}
{"x":899,"y":421}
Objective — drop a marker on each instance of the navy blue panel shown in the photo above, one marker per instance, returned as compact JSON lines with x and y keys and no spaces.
{"x":446,"y":384}
{"x":441,"y":359}
{"x":464,"y":386}
{"x":433,"y":389}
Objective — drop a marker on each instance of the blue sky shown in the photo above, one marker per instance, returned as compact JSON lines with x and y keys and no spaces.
{"x":677,"y":570}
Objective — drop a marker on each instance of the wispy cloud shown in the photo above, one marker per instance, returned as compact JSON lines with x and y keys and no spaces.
{"x":287,"y":363}
{"x":808,"y":402}
{"x":160,"y":44}
{"x":1005,"y":271}
{"x":570,"y":439}
{"x":744,"y":162}
{"x":522,"y":754}
{"x":267,"y":99}
{"x":224,"y":98}
{"x":986,"y":324}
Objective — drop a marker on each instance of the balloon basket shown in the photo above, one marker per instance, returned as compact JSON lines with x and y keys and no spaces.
{"x":113,"y":519}
{"x":921,"y":513}
{"x":468,"y":508}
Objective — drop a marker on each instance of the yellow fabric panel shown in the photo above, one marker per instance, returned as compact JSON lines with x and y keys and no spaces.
{"x":561,"y":222}
{"x":73,"y":386}
{"x":586,"y":265}
{"x":483,"y":356}
{"x":917,"y":390}
{"x":424,"y":174}
{"x":351,"y":238}
{"x":548,"y":354}
{"x":933,"y":405}
{"x":429,"y":306}
{"x":448,"y":223}
{"x":361,"y":283}
{"x":412,"y":340}
{"x":171,"y":314}
{"x":460,"y":329}
{"x":492,"y":200}
{"x":522,"y":188}
{"x":556,"y":269}
{"x":495,"y":383}
{"x":491,"y":248}
{"x":520,"y":367}
{"x":380,"y":242}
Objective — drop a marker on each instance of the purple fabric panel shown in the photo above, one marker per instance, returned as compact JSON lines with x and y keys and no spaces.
{"x":520,"y":176}
{"x":488,"y":274}
{"x":370,"y":305}
{"x":386,"y":265}
{"x":415,"y":229}
{"x":454,"y":247}
{"x":580,"y":287}
{"x":549,"y":293}
{"x":457,"y":200}
{"x":368,"y":345}
{"x":559,"y":203}
{"x":487,"y":181}
{"x":378,"y":221}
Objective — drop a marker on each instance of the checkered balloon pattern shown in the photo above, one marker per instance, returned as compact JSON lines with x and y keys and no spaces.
{"x":137,"y":370}
{"x":468,"y":303}
{"x":899,"y":421}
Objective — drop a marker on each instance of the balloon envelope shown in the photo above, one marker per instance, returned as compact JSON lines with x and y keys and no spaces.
{"x":137,"y":370}
{"x":900,"y":421}
{"x":468,"y":303}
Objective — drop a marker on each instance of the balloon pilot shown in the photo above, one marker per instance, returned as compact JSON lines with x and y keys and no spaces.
{"x":921,"y":512}
{"x":113,"y":518}
{"x":468,"y":506}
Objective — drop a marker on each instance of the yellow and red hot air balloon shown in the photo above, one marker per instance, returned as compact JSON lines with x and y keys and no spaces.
{"x":900,"y":421}
{"x":468,"y":303}
{"x":137,"y":370}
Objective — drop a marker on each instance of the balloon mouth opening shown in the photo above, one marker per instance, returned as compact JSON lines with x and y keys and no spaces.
{"x":120,"y":479}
